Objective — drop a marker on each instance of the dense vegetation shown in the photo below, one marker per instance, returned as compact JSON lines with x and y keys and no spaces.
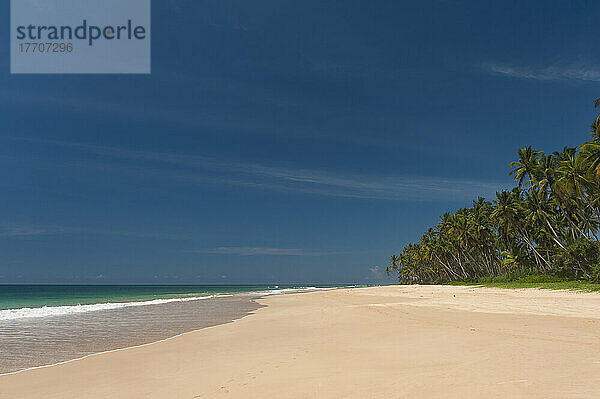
{"x":547,"y":225}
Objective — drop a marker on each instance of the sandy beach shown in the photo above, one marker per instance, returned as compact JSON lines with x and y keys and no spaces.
{"x":378,"y":342}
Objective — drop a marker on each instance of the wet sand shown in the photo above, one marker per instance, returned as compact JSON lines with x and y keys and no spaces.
{"x":378,"y":342}
{"x":32,"y":342}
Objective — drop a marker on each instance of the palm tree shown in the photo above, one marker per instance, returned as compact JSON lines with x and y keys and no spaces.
{"x":573,"y":179}
{"x":590,"y":150}
{"x":547,"y":221}
{"x":526,"y":166}
{"x":510,"y":213}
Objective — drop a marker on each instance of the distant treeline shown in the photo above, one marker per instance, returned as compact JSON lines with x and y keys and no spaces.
{"x":547,"y":224}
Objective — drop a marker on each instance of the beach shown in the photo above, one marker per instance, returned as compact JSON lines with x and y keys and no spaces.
{"x":374,"y":342}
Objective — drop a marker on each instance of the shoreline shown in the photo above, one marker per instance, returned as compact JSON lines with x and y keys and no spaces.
{"x":349,"y":342}
{"x":122,"y":349}
{"x":26,"y":312}
{"x":49,"y":360}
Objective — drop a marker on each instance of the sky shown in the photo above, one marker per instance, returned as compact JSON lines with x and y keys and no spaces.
{"x":280,"y":142}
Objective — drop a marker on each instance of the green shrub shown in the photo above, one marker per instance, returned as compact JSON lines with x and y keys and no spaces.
{"x":539,"y":279}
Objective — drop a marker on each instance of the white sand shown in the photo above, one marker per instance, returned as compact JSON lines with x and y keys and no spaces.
{"x":380,"y":342}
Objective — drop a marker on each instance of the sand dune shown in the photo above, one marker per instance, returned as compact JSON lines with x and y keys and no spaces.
{"x":379,"y":342}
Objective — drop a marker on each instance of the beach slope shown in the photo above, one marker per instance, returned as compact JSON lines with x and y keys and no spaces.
{"x":377,"y":342}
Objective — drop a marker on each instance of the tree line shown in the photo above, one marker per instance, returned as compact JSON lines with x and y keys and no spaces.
{"x":547,"y":224}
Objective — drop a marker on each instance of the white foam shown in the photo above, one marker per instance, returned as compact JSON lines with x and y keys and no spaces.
{"x":286,"y":290}
{"x":22,"y":313}
{"x":46,"y":311}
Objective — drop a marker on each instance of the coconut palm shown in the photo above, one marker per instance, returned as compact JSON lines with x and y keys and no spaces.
{"x":546,"y":224}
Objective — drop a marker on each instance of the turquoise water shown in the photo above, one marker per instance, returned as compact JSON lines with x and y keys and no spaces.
{"x":36,"y":296}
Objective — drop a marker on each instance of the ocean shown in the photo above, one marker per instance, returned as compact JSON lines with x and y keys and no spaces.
{"x":47,"y":324}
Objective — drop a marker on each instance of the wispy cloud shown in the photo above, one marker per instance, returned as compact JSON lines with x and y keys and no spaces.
{"x":256,"y":115}
{"x":376,"y":273}
{"x":210,"y":170}
{"x":251,"y":251}
{"x":21,"y":231}
{"x":24,"y":230}
{"x":555,"y":72}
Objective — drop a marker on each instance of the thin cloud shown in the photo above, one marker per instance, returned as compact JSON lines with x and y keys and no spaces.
{"x":370,"y":127}
{"x":252,"y":251}
{"x":209,"y":170}
{"x":570,"y":72}
{"x":21,"y":231}
{"x":25,"y":231}
{"x":376,"y":273}
{"x":29,"y":230}
{"x":244,"y":123}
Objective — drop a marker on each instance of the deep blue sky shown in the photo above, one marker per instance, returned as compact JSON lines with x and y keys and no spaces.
{"x":283,"y":141}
